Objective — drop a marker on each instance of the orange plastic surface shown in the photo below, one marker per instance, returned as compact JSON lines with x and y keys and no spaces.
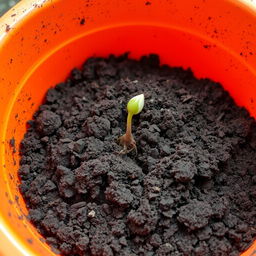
{"x":41,"y":41}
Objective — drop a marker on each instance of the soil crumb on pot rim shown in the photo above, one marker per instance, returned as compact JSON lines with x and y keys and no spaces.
{"x":190,"y":190}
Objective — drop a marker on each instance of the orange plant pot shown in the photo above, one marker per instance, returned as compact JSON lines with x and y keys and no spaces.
{"x":42,"y":40}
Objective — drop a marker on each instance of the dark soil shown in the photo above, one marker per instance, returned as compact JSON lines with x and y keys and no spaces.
{"x":190,"y":190}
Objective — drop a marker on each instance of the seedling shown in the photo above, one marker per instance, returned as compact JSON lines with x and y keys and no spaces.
{"x":134,"y":107}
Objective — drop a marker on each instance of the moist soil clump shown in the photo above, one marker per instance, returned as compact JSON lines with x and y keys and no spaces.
{"x":189,"y":191}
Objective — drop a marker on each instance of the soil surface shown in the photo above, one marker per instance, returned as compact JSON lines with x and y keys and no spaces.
{"x":190,"y":190}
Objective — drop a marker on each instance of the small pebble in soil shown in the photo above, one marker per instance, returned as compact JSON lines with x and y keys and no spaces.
{"x":190,"y":190}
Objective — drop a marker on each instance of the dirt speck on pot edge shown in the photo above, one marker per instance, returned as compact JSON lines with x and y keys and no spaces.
{"x":190,"y":190}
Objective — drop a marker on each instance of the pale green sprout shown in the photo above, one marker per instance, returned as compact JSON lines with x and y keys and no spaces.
{"x":134,"y":107}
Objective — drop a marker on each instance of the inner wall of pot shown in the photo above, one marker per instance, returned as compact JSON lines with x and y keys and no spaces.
{"x":176,"y":47}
